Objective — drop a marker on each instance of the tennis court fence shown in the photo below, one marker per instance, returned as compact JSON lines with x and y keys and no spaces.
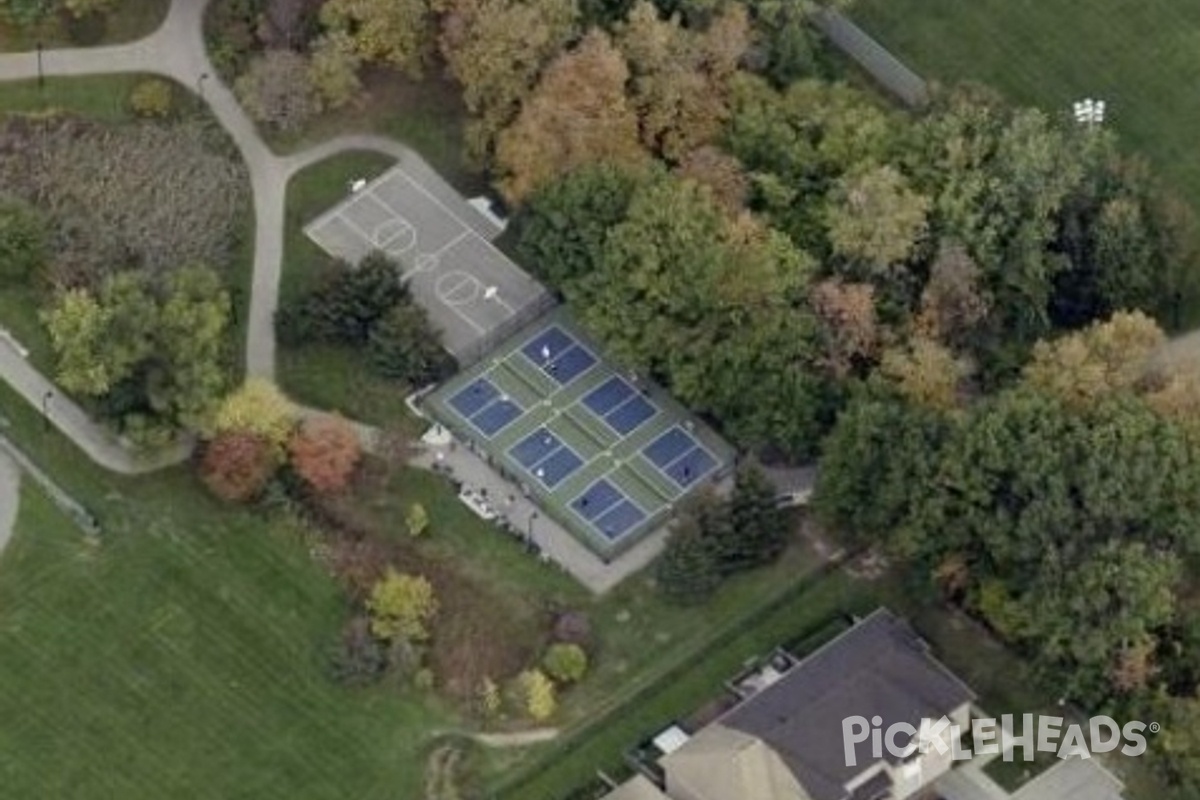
{"x":873,"y":57}
{"x":486,"y":344}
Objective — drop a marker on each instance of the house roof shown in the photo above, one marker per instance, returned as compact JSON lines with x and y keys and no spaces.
{"x":880,"y":667}
{"x":720,"y":762}
{"x":637,"y":788}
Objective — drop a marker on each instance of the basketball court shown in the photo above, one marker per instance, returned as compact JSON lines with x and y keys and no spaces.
{"x":473,"y":293}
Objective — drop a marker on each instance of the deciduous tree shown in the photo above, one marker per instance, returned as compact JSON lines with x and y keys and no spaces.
{"x":537,"y":693}
{"x":237,"y":465}
{"x":258,"y":407}
{"x":333,"y":70}
{"x":24,"y":235}
{"x":401,"y":607}
{"x":576,"y":115}
{"x":565,"y":663}
{"x":325,"y":450}
{"x":277,"y":90}
{"x":926,"y":373}
{"x":495,"y":49}
{"x":874,"y":219}
{"x":1106,"y":358}
{"x":849,"y":328}
{"x":394,"y":32}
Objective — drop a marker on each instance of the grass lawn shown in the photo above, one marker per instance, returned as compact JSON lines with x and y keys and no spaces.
{"x":326,"y":376}
{"x":105,"y":98}
{"x":1139,"y":57}
{"x":132,"y":19}
{"x":182,"y":657}
{"x":427,"y":115}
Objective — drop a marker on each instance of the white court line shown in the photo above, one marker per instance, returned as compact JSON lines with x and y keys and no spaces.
{"x":697,"y":445}
{"x":464,"y":229}
{"x":366,"y":237}
{"x":636,"y":394}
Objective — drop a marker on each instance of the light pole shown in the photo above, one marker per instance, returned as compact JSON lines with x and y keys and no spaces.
{"x":200,"y":84}
{"x":1088,"y":111}
{"x":46,"y":398}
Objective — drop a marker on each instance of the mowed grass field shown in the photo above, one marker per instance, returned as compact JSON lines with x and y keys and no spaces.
{"x":1142,"y":58}
{"x":184,"y":656}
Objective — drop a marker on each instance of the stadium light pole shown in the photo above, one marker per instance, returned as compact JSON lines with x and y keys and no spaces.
{"x":46,"y":398}
{"x":200,"y":84}
{"x":533,"y":515}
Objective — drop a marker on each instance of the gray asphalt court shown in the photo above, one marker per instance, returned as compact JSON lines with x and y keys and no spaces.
{"x":473,"y":293}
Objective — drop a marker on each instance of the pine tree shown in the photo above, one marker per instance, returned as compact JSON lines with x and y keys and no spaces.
{"x":687,"y":571}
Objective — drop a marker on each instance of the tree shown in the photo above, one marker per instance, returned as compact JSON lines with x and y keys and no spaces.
{"x":237,"y":465}
{"x":712,"y":306}
{"x":564,"y":226}
{"x":926,"y":373}
{"x":759,"y":529}
{"x":565,"y":663}
{"x":162,"y":345}
{"x":277,"y":89}
{"x":333,"y":70}
{"x":99,"y":340}
{"x":495,"y":49}
{"x":1105,"y":358}
{"x":876,"y":465}
{"x":401,"y":607}
{"x":953,"y":302}
{"x":489,"y":698}
{"x":346,"y":305}
{"x":687,"y":571}
{"x":23,"y":242}
{"x":287,"y":23}
{"x":874,"y":219}
{"x":681,"y":77}
{"x":721,"y":173}
{"x":258,"y":407}
{"x":403,"y":345}
{"x":1177,"y":749}
{"x":190,"y":374}
{"x":576,"y":115}
{"x":152,"y":98}
{"x":537,"y":693}
{"x":325,"y":451}
{"x":85,"y":8}
{"x":393,"y":32}
{"x":797,"y":144}
{"x":848,"y":323}
{"x":416,"y":520}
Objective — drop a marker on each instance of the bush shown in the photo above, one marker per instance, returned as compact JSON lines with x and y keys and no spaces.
{"x":401,"y":607}
{"x":488,"y":698}
{"x":423,"y":680}
{"x":23,"y":240}
{"x":537,"y":694}
{"x":417,"y":520}
{"x":152,"y":98}
{"x":359,"y":656}
{"x":237,"y":465}
{"x":325,"y":451}
{"x":566,"y":663}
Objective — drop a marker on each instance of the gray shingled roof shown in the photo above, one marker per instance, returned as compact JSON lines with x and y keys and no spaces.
{"x":879,"y":667}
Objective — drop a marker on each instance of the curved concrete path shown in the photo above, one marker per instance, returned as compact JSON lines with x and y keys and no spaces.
{"x":176,"y":50}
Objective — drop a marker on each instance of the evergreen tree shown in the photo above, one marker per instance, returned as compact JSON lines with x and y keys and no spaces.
{"x":687,"y":570}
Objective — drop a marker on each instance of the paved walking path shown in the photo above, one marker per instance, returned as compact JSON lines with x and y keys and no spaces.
{"x":10,"y":496}
{"x":63,"y":413}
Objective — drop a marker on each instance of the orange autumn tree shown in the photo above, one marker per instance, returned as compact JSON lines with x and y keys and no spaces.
{"x":325,"y":450}
{"x":237,"y":465}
